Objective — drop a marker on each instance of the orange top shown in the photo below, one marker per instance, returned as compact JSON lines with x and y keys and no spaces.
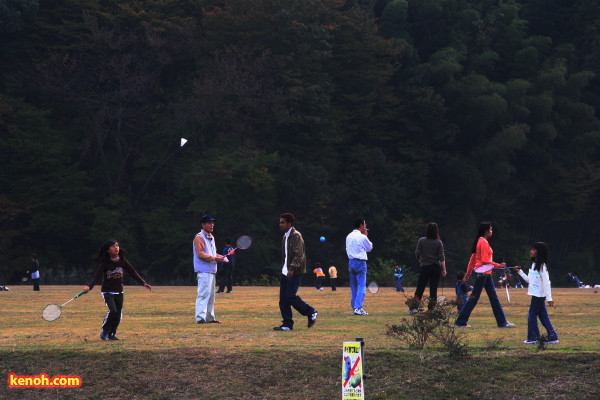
{"x":319,"y":272}
{"x":482,"y":256}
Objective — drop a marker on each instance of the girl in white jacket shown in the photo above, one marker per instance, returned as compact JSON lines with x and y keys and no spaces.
{"x":540,"y":291}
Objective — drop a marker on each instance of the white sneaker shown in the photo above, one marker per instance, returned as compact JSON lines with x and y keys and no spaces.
{"x":312,"y":318}
{"x":360,"y":311}
{"x":508,"y":325}
{"x":320,"y":289}
{"x":413,"y":311}
{"x":530,"y":342}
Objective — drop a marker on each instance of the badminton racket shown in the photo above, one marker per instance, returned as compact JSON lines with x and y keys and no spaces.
{"x":373,"y":287}
{"x":52,"y":312}
{"x":506,"y":284}
{"x":442,"y":299}
{"x":485,"y":268}
{"x":242,"y":243}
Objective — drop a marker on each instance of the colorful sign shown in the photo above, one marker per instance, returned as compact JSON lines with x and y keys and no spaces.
{"x":352,"y":372}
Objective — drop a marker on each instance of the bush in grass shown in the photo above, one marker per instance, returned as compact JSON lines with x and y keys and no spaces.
{"x":415,"y":304}
{"x":493,"y":343}
{"x":542,"y":342}
{"x":434,"y":325}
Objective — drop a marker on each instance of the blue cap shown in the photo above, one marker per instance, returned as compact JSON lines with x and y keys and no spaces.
{"x":206,"y":218}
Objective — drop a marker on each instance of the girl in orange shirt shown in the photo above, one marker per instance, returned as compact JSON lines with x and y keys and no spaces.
{"x":482,"y":255}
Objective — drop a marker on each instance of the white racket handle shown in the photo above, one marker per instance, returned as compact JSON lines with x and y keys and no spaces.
{"x":67,"y":302}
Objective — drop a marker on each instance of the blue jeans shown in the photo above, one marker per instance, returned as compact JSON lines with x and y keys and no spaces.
{"x":288,"y":299}
{"x":482,"y":281}
{"x":358,"y":282}
{"x":399,"y":287}
{"x":538,"y":309}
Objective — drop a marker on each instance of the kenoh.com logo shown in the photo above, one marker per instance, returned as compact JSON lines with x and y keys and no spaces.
{"x":43,"y":381}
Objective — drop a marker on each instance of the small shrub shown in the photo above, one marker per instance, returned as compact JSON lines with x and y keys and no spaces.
{"x":435,"y":324}
{"x":414,"y":303}
{"x":542,"y":342}
{"x":492,"y":344}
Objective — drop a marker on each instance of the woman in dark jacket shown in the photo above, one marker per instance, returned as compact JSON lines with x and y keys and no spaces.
{"x":430,"y":254}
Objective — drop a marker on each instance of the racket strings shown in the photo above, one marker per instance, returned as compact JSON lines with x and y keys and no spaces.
{"x":373,"y":287}
{"x":244,"y":242}
{"x":51,"y":312}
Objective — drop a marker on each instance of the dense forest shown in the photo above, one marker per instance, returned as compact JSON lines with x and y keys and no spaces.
{"x":400,"y":111}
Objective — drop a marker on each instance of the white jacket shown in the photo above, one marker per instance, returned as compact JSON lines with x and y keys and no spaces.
{"x":539,"y":282}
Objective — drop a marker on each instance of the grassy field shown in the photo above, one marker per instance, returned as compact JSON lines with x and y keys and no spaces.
{"x":163,"y":354}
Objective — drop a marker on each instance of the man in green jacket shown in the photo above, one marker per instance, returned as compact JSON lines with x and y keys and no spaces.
{"x":294,"y":267}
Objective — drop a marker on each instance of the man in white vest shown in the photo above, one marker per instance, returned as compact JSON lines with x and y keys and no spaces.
{"x":205,"y":266}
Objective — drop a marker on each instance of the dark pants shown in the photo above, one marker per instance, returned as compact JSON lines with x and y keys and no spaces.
{"x":429,"y":273}
{"x":537,"y":309}
{"x":226,"y":279}
{"x":482,"y":281}
{"x":114,"y":303}
{"x":288,"y":299}
{"x":319,"y":282}
{"x":333,"y":287}
{"x":36,"y":284}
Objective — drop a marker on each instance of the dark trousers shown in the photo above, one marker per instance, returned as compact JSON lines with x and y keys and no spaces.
{"x":537,"y":309}
{"x":429,"y":273}
{"x":226,"y":279}
{"x":483,"y":281}
{"x":36,"y":284}
{"x":333,"y":287}
{"x":288,"y":299}
{"x":319,"y":282}
{"x":114,"y":303}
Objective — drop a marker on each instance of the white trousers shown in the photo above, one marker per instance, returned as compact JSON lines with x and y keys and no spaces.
{"x":205,"y":302}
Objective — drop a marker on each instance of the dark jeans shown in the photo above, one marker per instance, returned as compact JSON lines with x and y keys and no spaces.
{"x":226,"y":279}
{"x":482,"y":281}
{"x":288,"y":299}
{"x":114,"y":303}
{"x":36,"y":284}
{"x":319,"y":282}
{"x":333,"y":287}
{"x":538,"y":309}
{"x":429,"y":273}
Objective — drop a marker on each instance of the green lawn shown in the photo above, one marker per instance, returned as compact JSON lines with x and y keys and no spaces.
{"x":163,"y":354}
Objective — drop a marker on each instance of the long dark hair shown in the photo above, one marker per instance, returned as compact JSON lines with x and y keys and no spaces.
{"x":103,"y":256}
{"x":481,"y":230}
{"x":432,"y":231}
{"x":541,"y":257}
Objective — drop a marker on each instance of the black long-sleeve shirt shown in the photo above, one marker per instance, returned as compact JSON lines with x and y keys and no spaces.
{"x":35,"y":266}
{"x":110,"y":273}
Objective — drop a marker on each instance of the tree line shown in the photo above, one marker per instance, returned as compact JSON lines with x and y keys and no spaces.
{"x":400,"y":111}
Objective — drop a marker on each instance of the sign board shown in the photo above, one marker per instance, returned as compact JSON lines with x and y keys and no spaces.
{"x":353,"y":387}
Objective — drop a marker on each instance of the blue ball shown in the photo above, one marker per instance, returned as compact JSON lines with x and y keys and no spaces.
{"x":322,"y":239}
